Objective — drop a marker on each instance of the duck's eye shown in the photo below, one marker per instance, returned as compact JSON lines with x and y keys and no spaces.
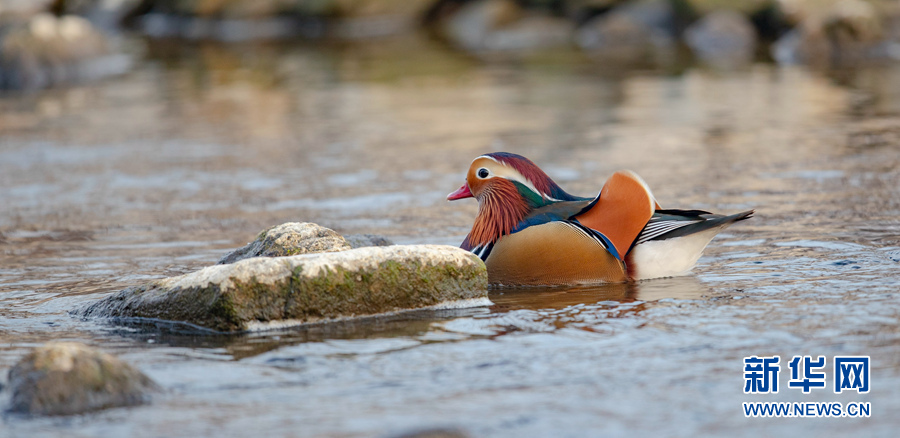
{"x":483,"y":173}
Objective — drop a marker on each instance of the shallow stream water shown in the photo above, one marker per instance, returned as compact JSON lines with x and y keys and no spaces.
{"x":162,"y":171}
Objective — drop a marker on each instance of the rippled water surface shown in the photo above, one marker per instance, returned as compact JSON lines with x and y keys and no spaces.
{"x":162,"y":171}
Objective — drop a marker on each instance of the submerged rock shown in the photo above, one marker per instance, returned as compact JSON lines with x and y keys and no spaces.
{"x":64,"y":378}
{"x":264,"y":292}
{"x":291,"y":238}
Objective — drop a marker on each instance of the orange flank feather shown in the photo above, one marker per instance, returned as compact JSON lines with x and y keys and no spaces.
{"x":624,"y":208}
{"x":553,"y":253}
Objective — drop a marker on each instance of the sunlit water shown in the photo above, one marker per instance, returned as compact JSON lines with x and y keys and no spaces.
{"x":162,"y":171}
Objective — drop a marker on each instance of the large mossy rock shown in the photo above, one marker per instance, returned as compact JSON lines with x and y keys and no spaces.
{"x":262,"y":292}
{"x":64,"y":378}
{"x":287,"y":239}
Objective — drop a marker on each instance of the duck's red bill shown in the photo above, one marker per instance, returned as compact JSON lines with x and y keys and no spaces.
{"x":460,"y":193}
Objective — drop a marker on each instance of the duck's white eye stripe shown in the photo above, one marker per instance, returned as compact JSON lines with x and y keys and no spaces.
{"x":489,"y":158}
{"x":510,"y":173}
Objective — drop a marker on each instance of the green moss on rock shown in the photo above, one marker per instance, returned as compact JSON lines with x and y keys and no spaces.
{"x":306,"y":288}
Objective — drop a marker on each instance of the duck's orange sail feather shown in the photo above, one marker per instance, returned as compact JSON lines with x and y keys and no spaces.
{"x":624,"y":208}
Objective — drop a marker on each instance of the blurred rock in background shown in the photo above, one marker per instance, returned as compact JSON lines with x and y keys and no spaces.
{"x":724,"y":38}
{"x":15,"y":10}
{"x":744,"y":7}
{"x":237,"y":20}
{"x":836,"y":33}
{"x":106,"y":15}
{"x":631,"y":31}
{"x":49,"y":42}
{"x":39,"y":50}
{"x":503,"y":25}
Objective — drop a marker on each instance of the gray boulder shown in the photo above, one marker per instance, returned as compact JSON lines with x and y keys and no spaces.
{"x":263,"y":292}
{"x":291,"y":238}
{"x":64,"y":378}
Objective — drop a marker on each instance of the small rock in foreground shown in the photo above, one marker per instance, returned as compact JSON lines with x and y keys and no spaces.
{"x":288,"y":239}
{"x":65,"y":378}
{"x":264,"y":292}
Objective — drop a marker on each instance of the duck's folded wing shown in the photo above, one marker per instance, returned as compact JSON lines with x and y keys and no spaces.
{"x":669,"y":224}
{"x":624,"y":206}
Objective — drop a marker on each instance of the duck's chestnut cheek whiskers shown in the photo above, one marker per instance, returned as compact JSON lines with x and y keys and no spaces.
{"x":460,"y":193}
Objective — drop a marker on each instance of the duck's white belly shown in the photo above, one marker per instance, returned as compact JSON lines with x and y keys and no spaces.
{"x":670,"y":257}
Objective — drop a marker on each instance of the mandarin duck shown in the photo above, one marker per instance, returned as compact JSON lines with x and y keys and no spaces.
{"x":529,"y":231}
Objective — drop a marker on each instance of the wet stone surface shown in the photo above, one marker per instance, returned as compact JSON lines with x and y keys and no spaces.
{"x":161,"y":172}
{"x":263,"y":293}
{"x":289,"y":239}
